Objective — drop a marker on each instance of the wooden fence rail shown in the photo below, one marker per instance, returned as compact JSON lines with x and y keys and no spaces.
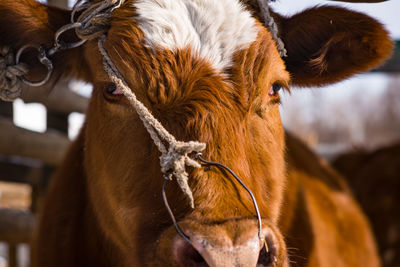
{"x":16,"y":226}
{"x":47,"y":147}
{"x":59,"y":99}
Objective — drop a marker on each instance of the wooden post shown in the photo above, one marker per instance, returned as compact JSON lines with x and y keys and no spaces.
{"x":24,"y":172}
{"x":12,"y":255}
{"x":15,"y":173}
{"x":16,"y":226}
{"x":48,"y":147}
{"x":60,"y":98}
{"x":38,"y":188}
{"x":6,"y":109}
{"x":57,"y":121}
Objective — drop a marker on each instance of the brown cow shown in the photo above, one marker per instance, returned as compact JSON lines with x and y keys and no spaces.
{"x":324,"y":220}
{"x":209,"y":71}
{"x":374,"y":177}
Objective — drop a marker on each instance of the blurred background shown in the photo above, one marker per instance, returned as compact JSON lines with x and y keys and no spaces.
{"x":360,"y":114}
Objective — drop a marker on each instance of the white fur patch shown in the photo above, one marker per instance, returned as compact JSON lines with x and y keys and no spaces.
{"x":214,"y":29}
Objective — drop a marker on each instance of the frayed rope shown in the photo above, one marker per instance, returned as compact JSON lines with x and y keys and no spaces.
{"x":173,"y":160}
{"x":270,"y":23}
{"x":10,"y":73}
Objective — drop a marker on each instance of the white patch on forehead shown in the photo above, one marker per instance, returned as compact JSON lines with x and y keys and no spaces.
{"x":214,"y":29}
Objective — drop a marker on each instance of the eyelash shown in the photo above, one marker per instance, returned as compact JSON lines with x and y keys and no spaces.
{"x":275,"y":88}
{"x":111,"y":92}
{"x":276,"y":101}
{"x":111,"y":88}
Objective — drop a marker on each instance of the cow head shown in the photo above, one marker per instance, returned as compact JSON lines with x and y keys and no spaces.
{"x":209,"y":71}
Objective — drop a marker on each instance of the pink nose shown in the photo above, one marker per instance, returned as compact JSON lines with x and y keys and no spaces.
{"x":248,"y":251}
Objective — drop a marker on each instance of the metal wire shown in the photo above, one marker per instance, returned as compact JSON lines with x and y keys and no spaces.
{"x":43,"y":59}
{"x":217,"y":164}
{"x":171,"y":214}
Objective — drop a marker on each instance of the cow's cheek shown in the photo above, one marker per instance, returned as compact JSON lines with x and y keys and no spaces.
{"x":116,"y":159}
{"x":267,"y":158}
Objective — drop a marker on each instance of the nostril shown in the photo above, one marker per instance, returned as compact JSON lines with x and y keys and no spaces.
{"x":267,"y":256}
{"x":193,"y":258}
{"x":218,"y":249}
{"x":187,"y":256}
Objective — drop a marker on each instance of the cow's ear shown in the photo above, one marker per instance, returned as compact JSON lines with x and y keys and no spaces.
{"x":27,"y":22}
{"x":328,"y":44}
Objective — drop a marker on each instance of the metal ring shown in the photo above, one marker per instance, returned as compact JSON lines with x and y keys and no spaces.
{"x":43,"y":60}
{"x":59,"y":45}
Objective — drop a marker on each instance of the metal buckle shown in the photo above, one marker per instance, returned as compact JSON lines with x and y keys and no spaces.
{"x":43,"y":59}
{"x":43,"y":56}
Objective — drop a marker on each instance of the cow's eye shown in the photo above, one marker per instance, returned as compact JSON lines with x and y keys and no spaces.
{"x":112,"y":89}
{"x":274,"y":90}
{"x":111,"y":92}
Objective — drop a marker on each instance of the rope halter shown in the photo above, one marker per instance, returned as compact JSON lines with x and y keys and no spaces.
{"x":95,"y":18}
{"x":10,"y":84}
{"x":270,"y":23}
{"x":93,"y":23}
{"x":173,"y":160}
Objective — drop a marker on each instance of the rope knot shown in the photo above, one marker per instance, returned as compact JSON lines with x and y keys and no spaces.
{"x":10,"y":83}
{"x":95,"y":19}
{"x":176,"y":159}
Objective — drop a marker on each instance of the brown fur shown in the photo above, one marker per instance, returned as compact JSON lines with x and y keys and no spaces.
{"x":324,"y":220}
{"x":321,"y":40}
{"x":104,"y":207}
{"x":374,"y":177}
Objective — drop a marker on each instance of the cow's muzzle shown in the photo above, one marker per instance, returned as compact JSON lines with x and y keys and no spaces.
{"x":230,"y":244}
